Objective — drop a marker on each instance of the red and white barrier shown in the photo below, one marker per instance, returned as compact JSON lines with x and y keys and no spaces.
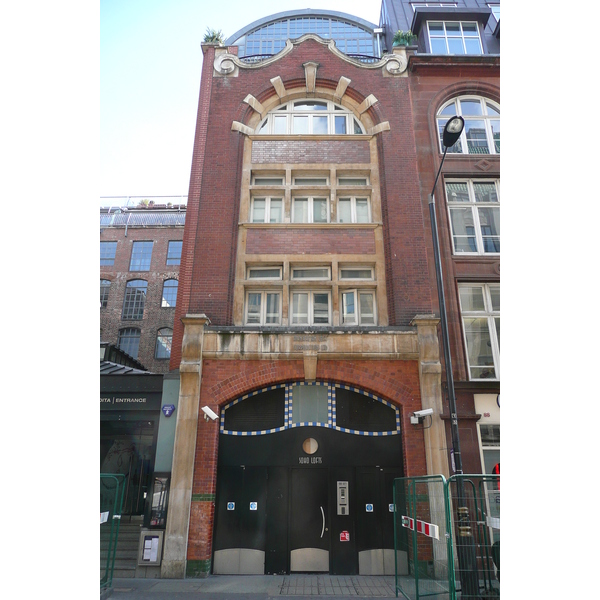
{"x":428,"y":529}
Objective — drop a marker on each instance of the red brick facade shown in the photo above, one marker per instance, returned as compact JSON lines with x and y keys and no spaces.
{"x":223,"y":381}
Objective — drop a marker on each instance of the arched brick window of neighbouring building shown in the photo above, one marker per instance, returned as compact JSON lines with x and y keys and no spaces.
{"x":164,"y":340}
{"x":129,"y":341}
{"x":481,"y":134}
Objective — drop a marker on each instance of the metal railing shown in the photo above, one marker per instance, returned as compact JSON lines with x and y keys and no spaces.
{"x":430,"y":536}
{"x":135,"y":201}
{"x":255,"y":58}
{"x":120,"y":218}
{"x":112,"y":491}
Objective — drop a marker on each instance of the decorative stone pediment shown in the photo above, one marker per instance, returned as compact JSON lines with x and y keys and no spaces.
{"x":228,"y":65}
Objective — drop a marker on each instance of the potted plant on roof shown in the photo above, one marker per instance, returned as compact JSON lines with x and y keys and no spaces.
{"x":404,"y":38}
{"x":212,"y":36}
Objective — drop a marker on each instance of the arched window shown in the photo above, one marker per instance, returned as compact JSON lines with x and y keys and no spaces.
{"x":129,"y":341}
{"x":169,"y":295}
{"x":104,"y":290}
{"x":164,"y":339}
{"x":310,"y":117}
{"x":135,"y":299}
{"x":481,"y":134}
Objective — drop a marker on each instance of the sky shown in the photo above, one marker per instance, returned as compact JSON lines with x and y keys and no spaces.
{"x":150,"y":66}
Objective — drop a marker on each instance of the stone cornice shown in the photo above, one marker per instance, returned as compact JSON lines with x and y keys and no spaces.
{"x":416,"y":61}
{"x":294,"y":345}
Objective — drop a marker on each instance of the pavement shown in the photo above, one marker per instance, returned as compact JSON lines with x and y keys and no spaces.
{"x":254,"y":587}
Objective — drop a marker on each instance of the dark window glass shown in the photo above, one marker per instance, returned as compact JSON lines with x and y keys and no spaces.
{"x":164,"y":339}
{"x":104,"y":289}
{"x":174,"y":253}
{"x":135,"y":299}
{"x":141,"y":256}
{"x":169,"y":297}
{"x":490,"y":435}
{"x":257,"y":413}
{"x":129,"y":341}
{"x":357,"y":411}
{"x":107,"y":253}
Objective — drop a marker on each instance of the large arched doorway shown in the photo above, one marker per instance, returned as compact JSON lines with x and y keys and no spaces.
{"x":304,"y":481}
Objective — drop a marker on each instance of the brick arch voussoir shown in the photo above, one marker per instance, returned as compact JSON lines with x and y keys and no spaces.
{"x":387,"y":387}
{"x":243,"y":382}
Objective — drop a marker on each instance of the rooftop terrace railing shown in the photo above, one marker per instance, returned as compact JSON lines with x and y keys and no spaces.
{"x":255,"y":58}
{"x":143,"y":218}
{"x":142,"y":201}
{"x":142,"y":211}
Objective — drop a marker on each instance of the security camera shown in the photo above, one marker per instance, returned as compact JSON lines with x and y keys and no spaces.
{"x":209,"y":413}
{"x":424,"y":412}
{"x":419,"y":415}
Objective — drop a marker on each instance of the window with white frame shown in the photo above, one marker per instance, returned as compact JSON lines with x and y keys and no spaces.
{"x":354,"y":210}
{"x":310,"y":180}
{"x":310,"y":210}
{"x":481,"y":134}
{"x":264,"y":272}
{"x":356,"y":273}
{"x":454,"y":37}
{"x":480,"y":312}
{"x":311,"y":272}
{"x":474,"y":208}
{"x":490,"y":446}
{"x":310,"y":117}
{"x":416,"y":5}
{"x":266,"y":210}
{"x":352,"y":181}
{"x":263,"y":307}
{"x":358,"y":307}
{"x":267,"y":180}
{"x":311,"y":307}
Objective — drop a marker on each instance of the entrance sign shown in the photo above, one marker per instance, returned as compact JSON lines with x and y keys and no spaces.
{"x":345,"y":536}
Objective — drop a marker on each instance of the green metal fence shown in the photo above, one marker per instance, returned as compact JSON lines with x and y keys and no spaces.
{"x":447,"y":537}
{"x":112,"y":491}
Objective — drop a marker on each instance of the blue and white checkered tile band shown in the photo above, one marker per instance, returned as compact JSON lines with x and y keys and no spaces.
{"x":331,"y":411}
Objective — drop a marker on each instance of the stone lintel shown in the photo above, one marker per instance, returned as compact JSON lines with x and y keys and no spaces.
{"x":291,"y":345}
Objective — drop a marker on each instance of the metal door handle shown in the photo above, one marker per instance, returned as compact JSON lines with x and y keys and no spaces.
{"x":323,"y":514}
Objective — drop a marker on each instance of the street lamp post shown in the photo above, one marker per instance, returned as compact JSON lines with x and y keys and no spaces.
{"x":467,"y":559}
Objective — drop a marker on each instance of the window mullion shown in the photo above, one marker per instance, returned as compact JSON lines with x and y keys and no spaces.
{"x":475,"y":216}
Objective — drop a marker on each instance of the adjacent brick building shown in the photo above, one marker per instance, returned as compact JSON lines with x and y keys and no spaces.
{"x":140,"y":253}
